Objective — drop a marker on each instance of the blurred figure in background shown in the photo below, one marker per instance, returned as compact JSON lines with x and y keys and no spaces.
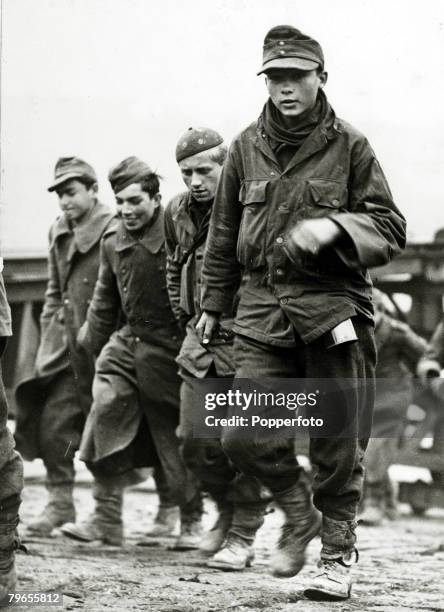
{"x":399,"y":350}
{"x":11,"y":468}
{"x":53,"y":401}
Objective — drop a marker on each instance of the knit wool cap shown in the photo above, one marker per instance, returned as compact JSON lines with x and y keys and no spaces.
{"x":196,"y":140}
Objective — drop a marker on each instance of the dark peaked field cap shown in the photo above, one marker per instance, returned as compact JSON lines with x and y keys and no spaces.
{"x":196,"y":140}
{"x":287,"y":47}
{"x":130,"y":170}
{"x":68,"y":168}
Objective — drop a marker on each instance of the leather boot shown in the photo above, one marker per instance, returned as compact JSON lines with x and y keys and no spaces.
{"x":237,"y":551}
{"x":9,"y":543}
{"x":105,"y":524}
{"x":59,"y":510}
{"x":213,"y":539}
{"x":334,"y":581}
{"x":302,"y":524}
{"x":372,"y":513}
{"x":168,"y":513}
{"x":190,"y":525}
{"x":165,"y":522}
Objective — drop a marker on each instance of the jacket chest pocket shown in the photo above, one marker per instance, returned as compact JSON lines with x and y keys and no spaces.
{"x":324,"y":198}
{"x":253,"y":225}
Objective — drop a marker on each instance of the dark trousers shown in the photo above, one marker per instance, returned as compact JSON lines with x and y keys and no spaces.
{"x":11,"y":469}
{"x":208,"y":461}
{"x":60,"y":428}
{"x":339,"y":461}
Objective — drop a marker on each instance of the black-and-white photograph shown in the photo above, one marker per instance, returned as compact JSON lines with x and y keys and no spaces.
{"x":221,"y":305}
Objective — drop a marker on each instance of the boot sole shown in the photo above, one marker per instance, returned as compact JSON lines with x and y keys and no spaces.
{"x":229,"y":568}
{"x":318,"y":595}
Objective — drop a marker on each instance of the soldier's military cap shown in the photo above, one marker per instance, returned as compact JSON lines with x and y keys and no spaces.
{"x":68,"y":168}
{"x":196,"y":140}
{"x":130,"y":170}
{"x":287,"y":47}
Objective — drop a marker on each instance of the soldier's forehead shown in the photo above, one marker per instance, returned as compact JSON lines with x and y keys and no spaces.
{"x":199,"y":159}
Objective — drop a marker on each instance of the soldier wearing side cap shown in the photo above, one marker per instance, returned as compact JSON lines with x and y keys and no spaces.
{"x":302,"y":210}
{"x":135,"y":409}
{"x":54,"y":398}
{"x":240,"y":501}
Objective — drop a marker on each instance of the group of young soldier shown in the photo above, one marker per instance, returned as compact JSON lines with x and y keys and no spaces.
{"x":247,"y":274}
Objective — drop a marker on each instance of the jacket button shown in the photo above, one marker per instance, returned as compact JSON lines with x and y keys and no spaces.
{"x":66,"y":301}
{"x":174,"y":337}
{"x":335,"y":202}
{"x":284,"y":300}
{"x":279,"y":240}
{"x":86,"y":281}
{"x":137,"y":339}
{"x":125,"y":289}
{"x":271,"y":173}
{"x":279,"y":271}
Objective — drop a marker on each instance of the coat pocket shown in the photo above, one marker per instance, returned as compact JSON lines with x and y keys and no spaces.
{"x":325,"y":198}
{"x":252,"y":229}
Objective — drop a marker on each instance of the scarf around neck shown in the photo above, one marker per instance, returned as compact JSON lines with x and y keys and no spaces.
{"x":281,"y":136}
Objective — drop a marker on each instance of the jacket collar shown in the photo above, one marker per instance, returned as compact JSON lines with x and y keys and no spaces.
{"x":152,"y":239}
{"x":88,"y":233}
{"x":317,"y":140}
{"x":181,"y":215}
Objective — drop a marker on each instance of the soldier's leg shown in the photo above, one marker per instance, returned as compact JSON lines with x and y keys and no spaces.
{"x":272,"y":460}
{"x":167,"y":512}
{"x":11,"y":485}
{"x":159,"y":389}
{"x":114,"y":386}
{"x":340,"y":474}
{"x":61,"y":426}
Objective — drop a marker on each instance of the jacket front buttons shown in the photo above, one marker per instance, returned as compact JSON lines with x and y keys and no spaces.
{"x":137,"y":339}
{"x":279,"y":271}
{"x":66,"y":301}
{"x":271,"y":173}
{"x":283,"y":300}
{"x":125,"y":289}
{"x":174,"y":337}
{"x":335,"y":202}
{"x":86,"y":281}
{"x":279,"y":240}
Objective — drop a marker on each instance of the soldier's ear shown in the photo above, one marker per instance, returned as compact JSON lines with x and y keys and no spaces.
{"x":158,"y":198}
{"x":323,"y":76}
{"x":94,"y":187}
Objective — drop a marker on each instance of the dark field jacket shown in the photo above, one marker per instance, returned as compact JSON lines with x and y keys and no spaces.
{"x":334,"y":174}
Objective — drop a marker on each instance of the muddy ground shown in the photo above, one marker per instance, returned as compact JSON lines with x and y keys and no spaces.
{"x":401,"y":567}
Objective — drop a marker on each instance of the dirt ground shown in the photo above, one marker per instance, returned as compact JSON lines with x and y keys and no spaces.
{"x":400,"y":568}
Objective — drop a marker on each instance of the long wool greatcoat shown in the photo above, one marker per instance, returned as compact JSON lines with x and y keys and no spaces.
{"x":135,"y":408}
{"x":73,"y":264}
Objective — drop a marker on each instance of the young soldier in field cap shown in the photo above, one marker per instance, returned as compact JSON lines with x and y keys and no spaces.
{"x":135,"y":408}
{"x":301,"y":211}
{"x":54,"y":401}
{"x":240,"y":501}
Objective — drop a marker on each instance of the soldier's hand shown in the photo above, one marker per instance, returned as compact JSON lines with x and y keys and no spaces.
{"x":313,"y":235}
{"x":206,"y":326}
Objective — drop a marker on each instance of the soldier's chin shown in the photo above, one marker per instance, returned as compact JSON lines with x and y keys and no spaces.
{"x":131,"y":225}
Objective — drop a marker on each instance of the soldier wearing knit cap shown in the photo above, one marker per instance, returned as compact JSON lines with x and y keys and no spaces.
{"x":135,"y":408}
{"x":240,"y":501}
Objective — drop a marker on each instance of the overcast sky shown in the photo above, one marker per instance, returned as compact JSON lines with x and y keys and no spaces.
{"x":104,"y":79}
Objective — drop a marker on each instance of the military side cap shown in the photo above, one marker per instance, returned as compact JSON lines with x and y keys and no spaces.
{"x":130,"y":170}
{"x":287,"y":47}
{"x":68,"y":168}
{"x":196,"y":140}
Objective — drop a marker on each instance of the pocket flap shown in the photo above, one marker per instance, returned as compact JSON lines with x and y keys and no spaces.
{"x":327,"y":193}
{"x":253,"y":191}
